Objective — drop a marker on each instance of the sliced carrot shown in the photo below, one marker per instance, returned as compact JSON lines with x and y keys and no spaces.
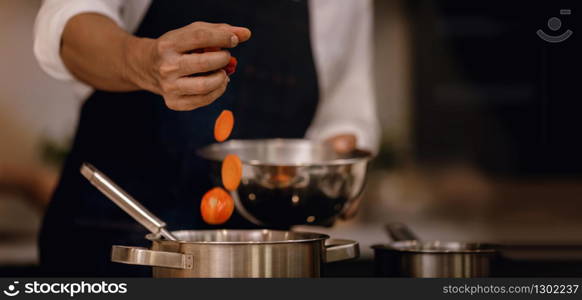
{"x":283,"y":176}
{"x":211,"y":49}
{"x":231,"y":67}
{"x":231,"y":172}
{"x":232,"y":63}
{"x":216,"y":206}
{"x":223,"y":125}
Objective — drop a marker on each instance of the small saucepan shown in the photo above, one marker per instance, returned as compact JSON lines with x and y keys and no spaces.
{"x":407,"y":256}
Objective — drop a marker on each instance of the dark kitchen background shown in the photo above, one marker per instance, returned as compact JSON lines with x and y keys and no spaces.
{"x":481,"y":127}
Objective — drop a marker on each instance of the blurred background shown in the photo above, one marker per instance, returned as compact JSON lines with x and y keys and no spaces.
{"x":480,"y":125}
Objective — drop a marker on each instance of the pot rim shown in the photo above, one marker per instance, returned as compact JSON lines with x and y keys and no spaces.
{"x":408,"y":247}
{"x":315,"y":237}
{"x":356,"y":157}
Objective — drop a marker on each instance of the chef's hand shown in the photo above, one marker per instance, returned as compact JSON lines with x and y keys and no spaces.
{"x":101,"y":54}
{"x":344,"y":144}
{"x":165,"y":65}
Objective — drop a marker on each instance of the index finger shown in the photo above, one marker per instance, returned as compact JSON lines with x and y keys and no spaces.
{"x":243,"y":34}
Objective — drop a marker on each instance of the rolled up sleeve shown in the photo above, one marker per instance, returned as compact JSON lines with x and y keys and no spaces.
{"x":343,"y":55}
{"x":50,"y":23}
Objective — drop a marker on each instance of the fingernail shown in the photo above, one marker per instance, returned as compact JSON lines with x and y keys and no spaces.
{"x":233,"y":41}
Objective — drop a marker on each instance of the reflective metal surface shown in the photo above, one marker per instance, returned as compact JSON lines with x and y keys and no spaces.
{"x":407,"y":256}
{"x":126,"y":202}
{"x":434,"y":259}
{"x":238,"y":254}
{"x":442,"y":247}
{"x":288,"y":182}
{"x":145,"y":257}
{"x":338,"y":250}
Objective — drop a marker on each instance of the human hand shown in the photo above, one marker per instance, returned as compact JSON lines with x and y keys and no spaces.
{"x":165,"y":65}
{"x":343,"y":143}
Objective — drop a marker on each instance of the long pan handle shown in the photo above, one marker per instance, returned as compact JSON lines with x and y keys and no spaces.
{"x":125,"y":201}
{"x":401,"y":232}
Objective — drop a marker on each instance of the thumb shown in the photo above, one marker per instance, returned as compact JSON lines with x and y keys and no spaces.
{"x":243,"y":33}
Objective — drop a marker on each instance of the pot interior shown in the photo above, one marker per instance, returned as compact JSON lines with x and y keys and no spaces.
{"x":227,"y":236}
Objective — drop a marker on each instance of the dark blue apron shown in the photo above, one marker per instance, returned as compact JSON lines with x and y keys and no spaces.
{"x":149,"y":150}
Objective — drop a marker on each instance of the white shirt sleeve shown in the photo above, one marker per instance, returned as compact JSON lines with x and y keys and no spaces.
{"x":50,"y":23}
{"x":341,"y":34}
{"x":342,"y":44}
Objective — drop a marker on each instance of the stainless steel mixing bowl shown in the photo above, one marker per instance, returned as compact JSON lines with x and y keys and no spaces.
{"x":290,"y":182}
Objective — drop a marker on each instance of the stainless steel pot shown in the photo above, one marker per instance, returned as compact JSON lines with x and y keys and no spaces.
{"x":290,"y":182}
{"x":237,"y":254}
{"x":221,"y":253}
{"x":410,"y":257}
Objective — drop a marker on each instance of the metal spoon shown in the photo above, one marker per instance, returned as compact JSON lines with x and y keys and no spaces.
{"x":126,"y":202}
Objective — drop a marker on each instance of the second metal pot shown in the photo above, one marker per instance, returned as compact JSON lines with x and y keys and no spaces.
{"x":433,"y":259}
{"x":410,"y":257}
{"x":238,"y":254}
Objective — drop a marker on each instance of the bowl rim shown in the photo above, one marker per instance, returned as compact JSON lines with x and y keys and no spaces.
{"x":316,"y":237}
{"x":359,"y":155}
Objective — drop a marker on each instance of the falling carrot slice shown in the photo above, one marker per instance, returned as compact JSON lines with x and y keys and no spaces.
{"x":223,"y":126}
{"x":216,"y":206}
{"x":231,"y":172}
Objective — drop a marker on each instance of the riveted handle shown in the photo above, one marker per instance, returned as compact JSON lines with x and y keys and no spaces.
{"x":145,"y":257}
{"x":338,"y":250}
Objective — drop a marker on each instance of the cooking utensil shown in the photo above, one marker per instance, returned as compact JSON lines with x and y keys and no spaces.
{"x":409,"y":257}
{"x":400,"y":232}
{"x":221,"y":253}
{"x":238,"y":254}
{"x":125,"y":201}
{"x":287,"y":182}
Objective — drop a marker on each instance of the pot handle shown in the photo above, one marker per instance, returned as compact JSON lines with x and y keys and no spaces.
{"x":145,"y":257}
{"x":338,"y":250}
{"x":401,"y":232}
